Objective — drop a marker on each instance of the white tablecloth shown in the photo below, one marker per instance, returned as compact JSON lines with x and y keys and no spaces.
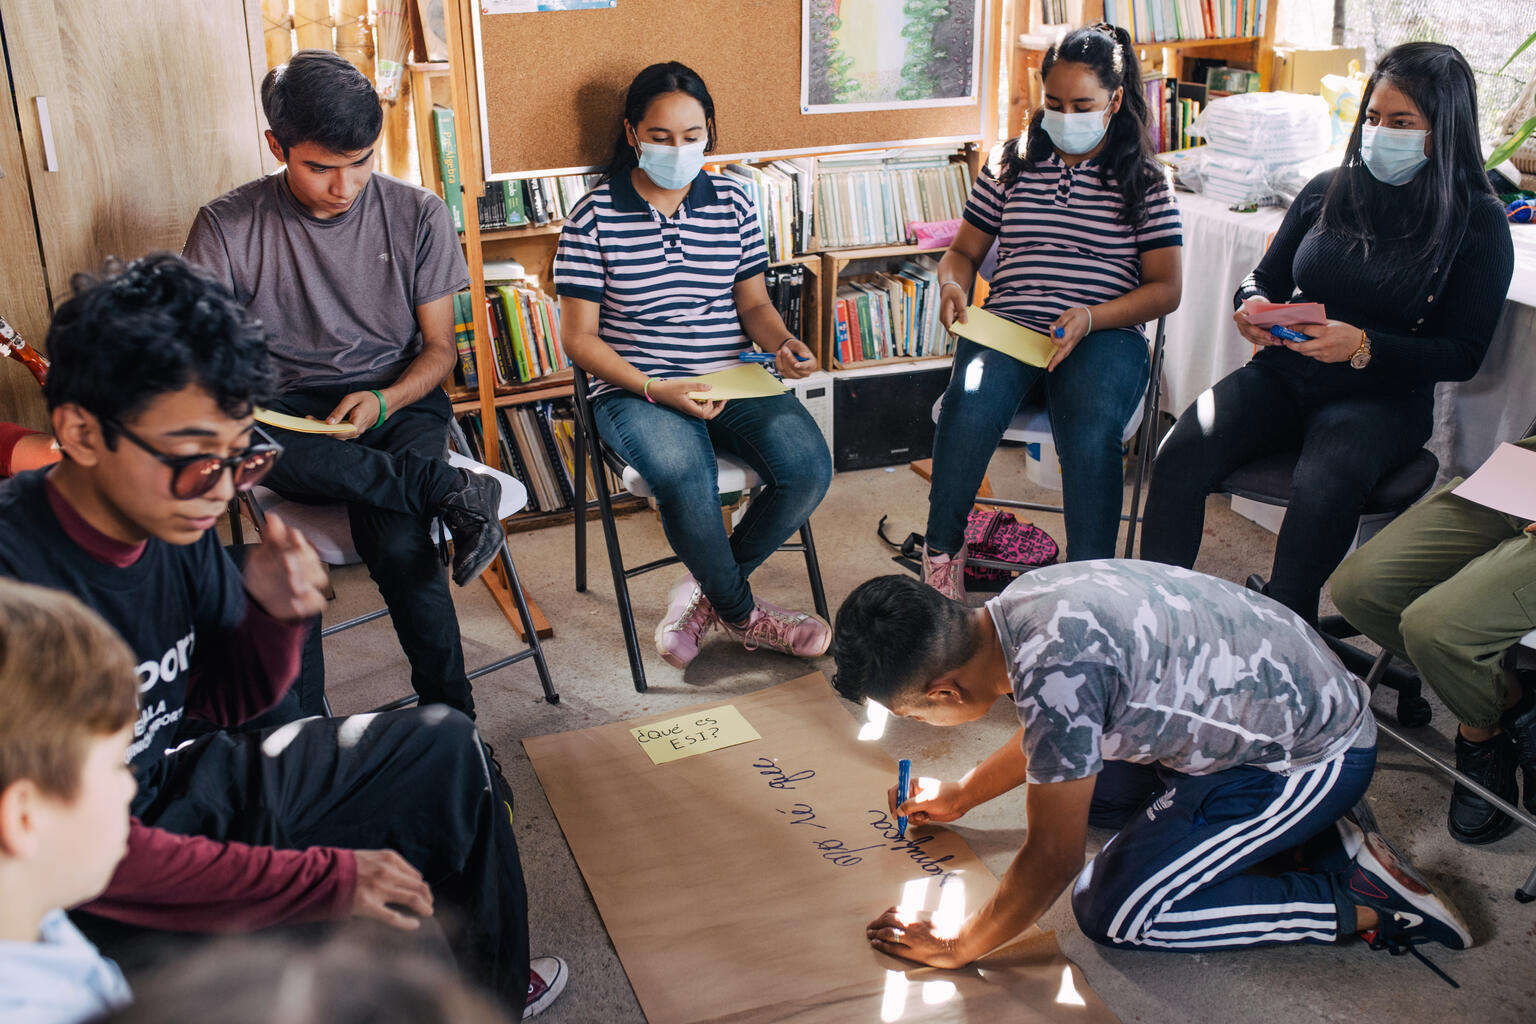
{"x":1222,"y":247}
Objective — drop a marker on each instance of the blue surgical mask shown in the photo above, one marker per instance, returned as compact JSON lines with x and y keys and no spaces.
{"x":1392,"y":155}
{"x":1074,"y":133}
{"x":672,"y":167}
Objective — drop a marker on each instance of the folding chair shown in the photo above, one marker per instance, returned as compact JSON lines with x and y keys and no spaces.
{"x":734,"y":476}
{"x":1032,"y":425}
{"x":1268,"y":481}
{"x":327,"y":528}
{"x":1527,"y":892}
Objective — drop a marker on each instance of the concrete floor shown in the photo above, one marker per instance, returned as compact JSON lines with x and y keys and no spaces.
{"x":586,"y":657}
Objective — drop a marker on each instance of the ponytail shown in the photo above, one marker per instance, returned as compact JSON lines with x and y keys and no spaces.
{"x":1128,"y":158}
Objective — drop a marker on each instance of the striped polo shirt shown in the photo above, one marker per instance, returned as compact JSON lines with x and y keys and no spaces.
{"x":1060,"y":242}
{"x":665,"y":284}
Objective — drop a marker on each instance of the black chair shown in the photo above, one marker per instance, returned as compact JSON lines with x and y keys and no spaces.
{"x":1268,"y":481}
{"x":734,"y":476}
{"x":328,"y":529}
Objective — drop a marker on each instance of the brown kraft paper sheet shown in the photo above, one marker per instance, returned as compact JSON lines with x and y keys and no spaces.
{"x":736,"y":884}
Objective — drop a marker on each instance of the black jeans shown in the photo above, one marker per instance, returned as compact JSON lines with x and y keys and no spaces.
{"x":393,"y":480}
{"x":417,"y":782}
{"x":1349,"y":436}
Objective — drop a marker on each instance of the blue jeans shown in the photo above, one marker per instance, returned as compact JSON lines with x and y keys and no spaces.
{"x":676,"y":456}
{"x":1090,"y":397}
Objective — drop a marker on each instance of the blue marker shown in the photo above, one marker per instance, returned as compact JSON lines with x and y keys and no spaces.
{"x":766,"y":358}
{"x":903,"y":788}
{"x":1058,"y":332}
{"x":1286,"y":334}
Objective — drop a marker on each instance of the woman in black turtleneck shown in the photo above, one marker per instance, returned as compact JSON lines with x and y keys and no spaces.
{"x":1408,"y":250}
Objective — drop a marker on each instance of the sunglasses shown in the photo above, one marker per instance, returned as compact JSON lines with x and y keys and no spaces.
{"x":193,"y":476}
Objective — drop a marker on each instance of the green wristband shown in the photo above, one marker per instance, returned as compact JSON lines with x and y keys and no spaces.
{"x":383,"y":409}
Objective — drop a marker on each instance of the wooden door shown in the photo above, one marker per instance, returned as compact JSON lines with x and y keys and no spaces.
{"x":23,"y":293}
{"x":153,"y":112}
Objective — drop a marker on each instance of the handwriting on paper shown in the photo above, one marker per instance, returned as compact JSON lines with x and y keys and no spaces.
{"x":835,"y":850}
{"x":695,"y":733}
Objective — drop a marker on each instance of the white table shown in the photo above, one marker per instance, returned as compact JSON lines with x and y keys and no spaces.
{"x":1222,"y":247}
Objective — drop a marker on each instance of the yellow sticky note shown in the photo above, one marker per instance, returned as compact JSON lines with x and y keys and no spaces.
{"x":749,"y":380}
{"x":694,"y":733}
{"x":300,"y":424}
{"x":1007,"y":337}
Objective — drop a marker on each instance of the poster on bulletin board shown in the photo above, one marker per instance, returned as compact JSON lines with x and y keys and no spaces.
{"x":876,"y":55}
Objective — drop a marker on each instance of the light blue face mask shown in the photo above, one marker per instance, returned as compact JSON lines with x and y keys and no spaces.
{"x":1075,"y":133}
{"x":1393,"y":155}
{"x":672,"y":167}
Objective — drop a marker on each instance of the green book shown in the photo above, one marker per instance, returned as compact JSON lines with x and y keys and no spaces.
{"x":447,"y":147}
{"x":464,"y":337}
{"x":517,"y":343}
{"x":866,"y":325}
{"x":517,"y":216}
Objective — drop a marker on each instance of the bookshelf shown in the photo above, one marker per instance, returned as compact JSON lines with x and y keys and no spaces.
{"x":1170,"y":58}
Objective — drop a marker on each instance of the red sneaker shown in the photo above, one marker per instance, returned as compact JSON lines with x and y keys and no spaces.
{"x":547,"y":976}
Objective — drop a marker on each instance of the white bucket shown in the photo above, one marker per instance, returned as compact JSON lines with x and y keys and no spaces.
{"x":1041,"y":465}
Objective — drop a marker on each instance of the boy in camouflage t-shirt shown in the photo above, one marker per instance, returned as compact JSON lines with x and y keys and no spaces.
{"x":1208,"y":724}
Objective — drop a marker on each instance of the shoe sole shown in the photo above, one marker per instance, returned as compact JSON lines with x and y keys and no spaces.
{"x":482,"y":562}
{"x":1382,"y":860}
{"x":667,"y":656}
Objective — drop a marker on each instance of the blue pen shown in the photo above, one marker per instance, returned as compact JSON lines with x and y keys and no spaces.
{"x":766,"y":358}
{"x":1058,"y":332}
{"x":1286,"y":334}
{"x":903,"y":787}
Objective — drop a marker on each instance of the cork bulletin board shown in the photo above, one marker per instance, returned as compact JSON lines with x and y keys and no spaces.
{"x":552,"y":83}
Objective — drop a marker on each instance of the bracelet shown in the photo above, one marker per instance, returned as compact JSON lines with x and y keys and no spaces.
{"x":646,"y":391}
{"x":952,"y":284}
{"x":383,"y":410}
{"x":1085,"y":309}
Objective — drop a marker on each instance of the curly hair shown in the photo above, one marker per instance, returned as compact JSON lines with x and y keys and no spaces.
{"x":150,"y":327}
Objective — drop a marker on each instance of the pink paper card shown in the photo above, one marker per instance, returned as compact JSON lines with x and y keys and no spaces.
{"x":1505,"y":483}
{"x":1288,"y":314}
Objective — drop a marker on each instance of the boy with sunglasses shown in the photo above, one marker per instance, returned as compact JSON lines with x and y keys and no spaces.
{"x":156,"y":371}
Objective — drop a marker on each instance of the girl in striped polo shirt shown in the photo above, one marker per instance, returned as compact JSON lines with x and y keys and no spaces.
{"x":1088,"y":241}
{"x":660,"y":277}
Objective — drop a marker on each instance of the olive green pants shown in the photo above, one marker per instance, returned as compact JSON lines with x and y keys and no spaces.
{"x":1449,"y":586}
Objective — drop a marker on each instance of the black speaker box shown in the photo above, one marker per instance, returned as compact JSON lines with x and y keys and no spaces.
{"x":884,"y":419}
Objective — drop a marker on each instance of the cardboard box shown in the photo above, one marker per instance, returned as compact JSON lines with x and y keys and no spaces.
{"x":1298,"y":70}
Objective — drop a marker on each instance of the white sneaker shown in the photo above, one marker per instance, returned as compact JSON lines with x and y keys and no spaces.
{"x":547,"y":976}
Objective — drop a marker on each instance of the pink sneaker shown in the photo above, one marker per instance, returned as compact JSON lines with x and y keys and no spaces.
{"x":779,"y":629}
{"x":946,"y":573}
{"x":689,"y":616}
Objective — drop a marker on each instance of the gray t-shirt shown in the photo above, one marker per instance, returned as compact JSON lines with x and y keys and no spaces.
{"x":338,"y":296}
{"x":1138,"y":661}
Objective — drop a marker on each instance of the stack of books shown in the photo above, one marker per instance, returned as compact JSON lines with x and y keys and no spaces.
{"x":786,"y":290}
{"x":525,"y":335}
{"x":537,"y":446}
{"x":1159,"y":21}
{"x":890,"y":315}
{"x":783,"y":191}
{"x":867,"y":200}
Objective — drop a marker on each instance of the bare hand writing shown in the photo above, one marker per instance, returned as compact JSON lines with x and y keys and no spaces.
{"x":932,"y":801}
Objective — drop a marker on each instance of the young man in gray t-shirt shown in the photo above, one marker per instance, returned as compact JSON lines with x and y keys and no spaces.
{"x":1205,"y":722}
{"x":353,"y":275}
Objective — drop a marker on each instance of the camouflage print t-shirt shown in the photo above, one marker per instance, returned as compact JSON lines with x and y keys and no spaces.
{"x":1138,"y":661}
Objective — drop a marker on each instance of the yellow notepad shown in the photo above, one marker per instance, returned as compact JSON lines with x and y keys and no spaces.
{"x":694,"y":733}
{"x":300,"y":424}
{"x":749,"y":380}
{"x":993,"y":331}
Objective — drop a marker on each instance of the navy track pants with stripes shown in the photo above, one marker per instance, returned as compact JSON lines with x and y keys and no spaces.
{"x":1177,"y":874}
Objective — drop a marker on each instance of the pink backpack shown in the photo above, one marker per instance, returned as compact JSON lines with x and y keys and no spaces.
{"x":994,"y":534}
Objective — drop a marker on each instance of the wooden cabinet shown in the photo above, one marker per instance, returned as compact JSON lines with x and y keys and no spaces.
{"x":125,"y":119}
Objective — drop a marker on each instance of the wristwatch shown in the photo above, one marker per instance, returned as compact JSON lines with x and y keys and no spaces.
{"x":1362,"y":355}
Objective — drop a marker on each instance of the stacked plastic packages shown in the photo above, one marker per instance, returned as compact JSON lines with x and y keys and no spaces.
{"x":1258,"y":146}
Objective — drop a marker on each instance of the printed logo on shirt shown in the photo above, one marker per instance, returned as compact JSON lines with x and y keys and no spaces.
{"x":1160,"y":805}
{"x":153,"y":715}
{"x":171,"y":664}
{"x":383,"y":257}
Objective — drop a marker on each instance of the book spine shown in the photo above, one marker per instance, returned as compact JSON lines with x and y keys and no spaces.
{"x":448,"y":163}
{"x":464,"y":337}
{"x":541,"y":418}
{"x":512,"y":459}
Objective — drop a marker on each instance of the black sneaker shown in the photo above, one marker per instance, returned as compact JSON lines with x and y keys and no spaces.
{"x":1409,"y":910}
{"x":1491,"y":764}
{"x":470,"y":513}
{"x":1520,"y":724}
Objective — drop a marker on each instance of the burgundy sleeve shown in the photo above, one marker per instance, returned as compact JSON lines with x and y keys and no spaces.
{"x":196,"y":884}
{"x":250,"y":670}
{"x":10,"y":434}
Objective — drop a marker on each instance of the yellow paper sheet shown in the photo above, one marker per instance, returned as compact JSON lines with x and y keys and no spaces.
{"x":299,"y":424}
{"x":1007,"y":337}
{"x":694,"y":733}
{"x":749,"y":380}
